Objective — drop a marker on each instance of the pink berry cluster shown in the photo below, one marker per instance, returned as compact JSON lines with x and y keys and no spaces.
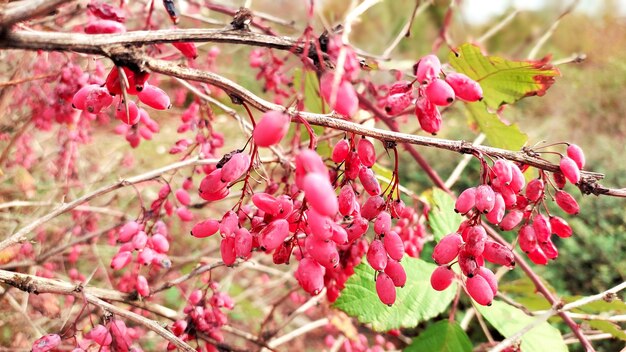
{"x":112,"y":336}
{"x":324,"y":231}
{"x":271,"y":73}
{"x":341,"y":95}
{"x":144,"y":249}
{"x":433,"y":91}
{"x":507,"y":201}
{"x":204,"y":315}
{"x":360,"y":343}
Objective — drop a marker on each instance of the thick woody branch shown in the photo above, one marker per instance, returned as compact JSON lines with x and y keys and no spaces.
{"x":588,"y":183}
{"x":95,"y":296}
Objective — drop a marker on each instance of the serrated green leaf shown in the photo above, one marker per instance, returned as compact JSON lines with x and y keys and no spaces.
{"x":508,"y":320}
{"x":499,"y":134}
{"x":609,"y":328}
{"x":503,"y":81}
{"x":415,"y":302}
{"x":442,"y":218}
{"x":443,"y":336}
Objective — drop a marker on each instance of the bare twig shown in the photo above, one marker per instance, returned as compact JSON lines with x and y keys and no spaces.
{"x":28,"y":9}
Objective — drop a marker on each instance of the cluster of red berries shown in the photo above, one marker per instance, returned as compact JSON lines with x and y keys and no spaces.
{"x":204,"y":315}
{"x":113,"y":336}
{"x":432,"y":91}
{"x":151,"y":250}
{"x":501,"y":200}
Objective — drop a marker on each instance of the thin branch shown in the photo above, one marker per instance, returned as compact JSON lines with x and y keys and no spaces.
{"x":608,"y":294}
{"x":298,"y":332}
{"x":95,"y":296}
{"x":24,"y":233}
{"x":27,"y":9}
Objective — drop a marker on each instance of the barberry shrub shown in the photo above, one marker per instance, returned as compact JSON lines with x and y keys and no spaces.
{"x":230,"y":200}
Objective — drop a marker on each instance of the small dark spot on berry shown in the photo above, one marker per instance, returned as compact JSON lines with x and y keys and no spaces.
{"x":450,"y":99}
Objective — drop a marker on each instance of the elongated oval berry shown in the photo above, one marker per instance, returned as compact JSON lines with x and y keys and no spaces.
{"x":120,"y":260}
{"x":569,"y":169}
{"x":396,"y":103}
{"x":511,"y":220}
{"x":498,"y":254}
{"x":357,"y":228}
{"x":576,"y":154}
{"x":100,"y":334}
{"x":235,"y":167}
{"x":46,"y":343}
{"x":160,"y":244}
{"x":154,"y":97}
{"x":478,"y":288}
{"x":490,"y":277}
{"x":205,"y":228}
{"x":243,"y":243}
{"x":542,"y":228}
{"x":396,"y":272}
{"x":549,"y":249}
{"x":339,"y":234}
{"x":377,"y":255}
{"x":188,"y":49}
{"x":394,"y":245}
{"x":496,"y":214}
{"x":485,"y":198}
{"x":345,"y":100}
{"x":324,"y":252}
{"x":145,"y":256}
{"x":466,"y":201}
{"x":266,"y":202}
{"x":440,"y":93}
{"x":366,"y":151}
{"x":78,"y":100}
{"x":320,"y":225}
{"x":140,"y":240}
{"x":441,"y":278}
{"x":447,"y":249}
{"x":320,"y":194}
{"x":132,"y":117}
{"x":464,"y":87}
{"x":468,"y":264}
{"x":104,"y":27}
{"x":428,"y":69}
{"x":310,"y":276}
{"x":427,"y":115}
{"x":282,"y":253}
{"x":476,"y":238}
{"x":271,"y":128}
{"x":346,"y":200}
{"x":274,"y":234}
{"x":212,"y":183}
{"x":517,"y":180}
{"x":560,"y":227}
{"x":534,"y":190}
{"x":502,"y":170}
{"x":229,"y":223}
{"x":227,"y":250}
{"x":382,"y":224}
{"x":127,"y":231}
{"x":559,"y":180}
{"x":340,"y":151}
{"x":183,"y":196}
{"x":537,"y":256}
{"x":142,"y":286}
{"x":369,"y":181}
{"x":372,"y":207}
{"x":385,"y":289}
{"x":527,"y":238}
{"x":566,"y":202}
{"x":97,"y":100}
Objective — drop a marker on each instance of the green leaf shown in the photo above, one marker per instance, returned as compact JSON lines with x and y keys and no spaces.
{"x":508,"y":320}
{"x":499,"y":134}
{"x":308,"y":85}
{"x":442,"y":218}
{"x":415,"y":302}
{"x":503,"y":81}
{"x":443,"y":336}
{"x":609,"y":328}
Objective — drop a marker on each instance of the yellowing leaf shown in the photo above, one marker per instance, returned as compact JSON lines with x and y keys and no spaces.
{"x":503,"y":81}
